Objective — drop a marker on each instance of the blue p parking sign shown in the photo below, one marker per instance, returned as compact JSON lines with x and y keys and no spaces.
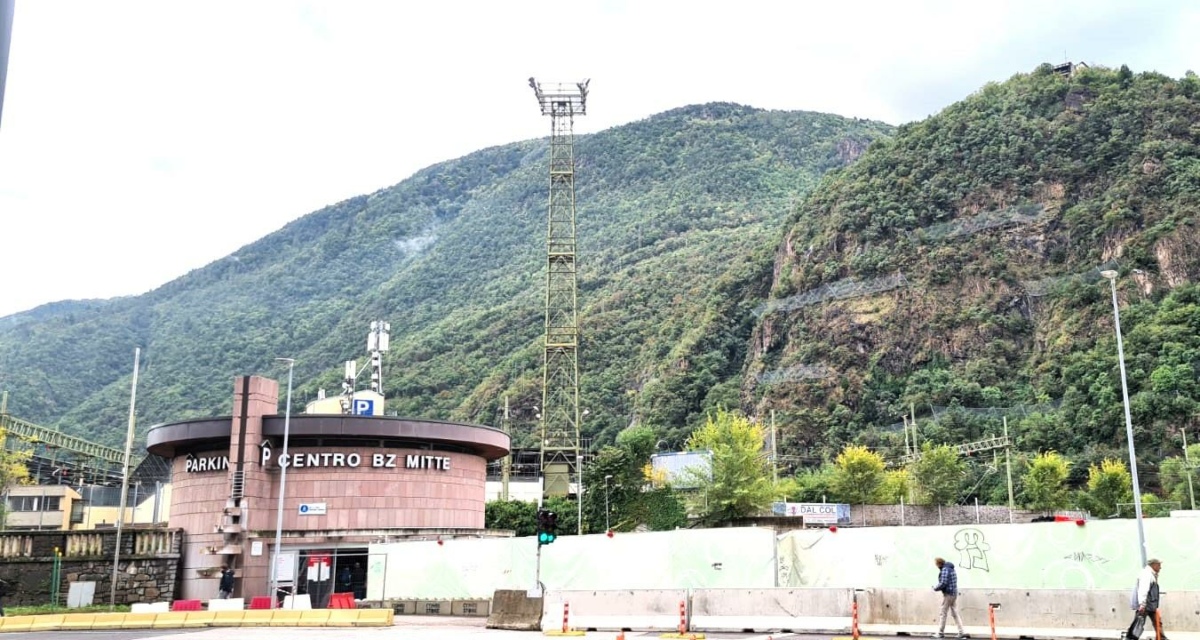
{"x":364,"y":407}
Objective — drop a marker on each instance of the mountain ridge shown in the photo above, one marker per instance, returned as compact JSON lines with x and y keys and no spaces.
{"x":451,"y":257}
{"x":993,"y":219}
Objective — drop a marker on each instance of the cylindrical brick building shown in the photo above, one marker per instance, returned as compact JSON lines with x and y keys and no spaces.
{"x":348,"y":481}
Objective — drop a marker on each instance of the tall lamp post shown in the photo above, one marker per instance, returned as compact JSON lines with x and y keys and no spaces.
{"x":606,"y":510}
{"x":287,"y":418}
{"x":1111,"y":275}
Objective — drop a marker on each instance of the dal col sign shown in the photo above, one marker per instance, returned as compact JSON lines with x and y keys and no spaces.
{"x":814,"y":512}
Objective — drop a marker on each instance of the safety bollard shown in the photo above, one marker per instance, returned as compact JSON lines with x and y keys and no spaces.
{"x":854,"y":618}
{"x":1158,"y":625}
{"x":682,"y":617}
{"x":566,"y":615}
{"x":992,"y":606}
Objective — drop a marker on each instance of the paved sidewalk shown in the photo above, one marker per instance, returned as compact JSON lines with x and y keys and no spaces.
{"x":453,"y":628}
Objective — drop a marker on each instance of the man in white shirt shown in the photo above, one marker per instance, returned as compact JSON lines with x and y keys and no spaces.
{"x":1145,"y":602}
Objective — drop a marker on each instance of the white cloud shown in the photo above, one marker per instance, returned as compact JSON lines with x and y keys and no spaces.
{"x":144,"y":139}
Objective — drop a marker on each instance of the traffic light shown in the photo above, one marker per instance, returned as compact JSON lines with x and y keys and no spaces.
{"x":547,"y":526}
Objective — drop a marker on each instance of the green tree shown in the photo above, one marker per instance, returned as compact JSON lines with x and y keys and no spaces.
{"x":896,"y":487}
{"x":1109,"y":485}
{"x":616,"y":480}
{"x":938,"y":474}
{"x":518,"y":516}
{"x":1154,"y":506}
{"x":857,"y":474}
{"x":14,"y":470}
{"x":1174,"y":473}
{"x":808,"y":485}
{"x":1045,"y":482}
{"x":658,"y":508}
{"x":740,"y":484}
{"x":568,"y":514}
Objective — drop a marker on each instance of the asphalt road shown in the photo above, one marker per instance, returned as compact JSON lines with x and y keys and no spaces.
{"x":405,"y":628}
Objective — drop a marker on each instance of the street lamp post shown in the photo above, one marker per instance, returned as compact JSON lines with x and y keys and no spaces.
{"x":606,"y":510}
{"x":1111,"y":275}
{"x":287,"y":417}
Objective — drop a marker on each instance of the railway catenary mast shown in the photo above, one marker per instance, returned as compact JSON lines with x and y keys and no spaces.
{"x":560,"y":415}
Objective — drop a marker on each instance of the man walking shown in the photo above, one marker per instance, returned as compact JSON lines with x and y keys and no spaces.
{"x":225,"y":587}
{"x":1145,"y":602}
{"x":948,"y":585}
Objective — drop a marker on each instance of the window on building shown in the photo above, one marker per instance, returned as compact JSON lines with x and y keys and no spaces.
{"x":34,"y":503}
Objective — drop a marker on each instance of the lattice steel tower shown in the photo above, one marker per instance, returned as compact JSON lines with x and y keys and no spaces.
{"x":560,"y":451}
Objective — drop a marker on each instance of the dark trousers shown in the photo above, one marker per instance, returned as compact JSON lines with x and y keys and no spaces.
{"x":1139,"y":624}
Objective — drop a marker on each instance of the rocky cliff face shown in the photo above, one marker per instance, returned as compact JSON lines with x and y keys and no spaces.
{"x":958,"y":263}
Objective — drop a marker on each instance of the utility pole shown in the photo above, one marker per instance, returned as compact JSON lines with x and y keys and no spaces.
{"x":1008,"y":469}
{"x":560,"y":452}
{"x":912,"y":408}
{"x":112,"y":593}
{"x":506,"y":463}
{"x":1187,"y":463}
{"x":774,"y":449}
{"x":907,"y":448}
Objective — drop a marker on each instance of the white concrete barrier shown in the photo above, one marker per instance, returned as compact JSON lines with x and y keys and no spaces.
{"x":150,"y":607}
{"x":1023,"y":609}
{"x":1030,"y":613}
{"x":642,"y":609}
{"x":227,"y":604}
{"x":763,"y":610}
{"x":300,"y":603}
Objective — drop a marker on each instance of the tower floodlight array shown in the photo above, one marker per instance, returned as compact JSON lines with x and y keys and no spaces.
{"x":377,"y":344}
{"x":349,"y":374}
{"x":560,"y":451}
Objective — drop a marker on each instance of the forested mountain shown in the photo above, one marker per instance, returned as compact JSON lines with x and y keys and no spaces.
{"x":679,"y":215}
{"x":954,"y":270}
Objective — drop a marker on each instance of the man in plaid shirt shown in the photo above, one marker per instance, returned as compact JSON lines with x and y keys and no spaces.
{"x":948,"y":585}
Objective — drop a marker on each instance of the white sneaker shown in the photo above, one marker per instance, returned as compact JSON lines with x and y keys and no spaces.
{"x":938,"y":635}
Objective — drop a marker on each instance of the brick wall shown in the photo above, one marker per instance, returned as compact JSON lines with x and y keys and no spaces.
{"x":147,"y":571}
{"x":893,"y":515}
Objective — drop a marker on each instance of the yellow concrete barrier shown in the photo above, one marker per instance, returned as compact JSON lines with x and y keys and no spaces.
{"x":374,"y":618}
{"x":169,"y":620}
{"x":342,"y":618}
{"x":138,"y":620}
{"x":199,"y":619}
{"x":257,"y":618}
{"x":228,"y":618}
{"x":46,"y":623}
{"x":77,"y":622}
{"x":109,"y":621}
{"x":16,"y":623}
{"x":314,"y":618}
{"x":286,"y":617}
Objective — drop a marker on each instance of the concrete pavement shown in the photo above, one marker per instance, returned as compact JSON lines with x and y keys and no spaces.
{"x":455,"y":628}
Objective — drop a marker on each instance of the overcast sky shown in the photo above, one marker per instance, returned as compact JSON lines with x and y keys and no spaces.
{"x":141,"y":140}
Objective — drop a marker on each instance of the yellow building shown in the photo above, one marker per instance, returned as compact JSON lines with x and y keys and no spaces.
{"x":362,"y":403}
{"x":140,"y":514}
{"x":62,"y":507}
{"x":42,"y":507}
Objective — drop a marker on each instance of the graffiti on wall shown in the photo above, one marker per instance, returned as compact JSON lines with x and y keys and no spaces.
{"x":972,"y":549}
